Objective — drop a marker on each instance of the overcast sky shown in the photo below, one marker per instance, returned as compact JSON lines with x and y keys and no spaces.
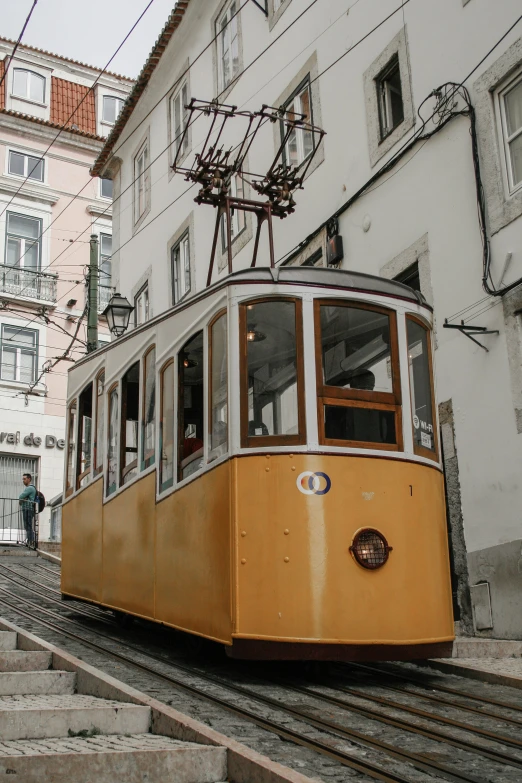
{"x":88,"y":30}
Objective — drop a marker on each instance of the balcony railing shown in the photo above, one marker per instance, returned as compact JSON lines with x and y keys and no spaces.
{"x":28,"y":284}
{"x":104,"y":294}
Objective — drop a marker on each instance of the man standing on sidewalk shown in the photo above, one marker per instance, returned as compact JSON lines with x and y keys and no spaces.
{"x":27,"y":499}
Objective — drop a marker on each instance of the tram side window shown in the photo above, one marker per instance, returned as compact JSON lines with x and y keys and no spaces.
{"x":84,"y":437}
{"x":358,"y":375}
{"x":112,"y":442}
{"x":100,"y":424}
{"x":167,"y":427}
{"x":218,"y":388}
{"x":190,"y":407}
{"x":420,"y":370}
{"x":71,"y":442}
{"x":272,"y":372}
{"x":149,"y":410}
{"x":130,"y":415}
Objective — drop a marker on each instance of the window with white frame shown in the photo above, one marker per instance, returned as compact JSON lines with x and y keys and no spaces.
{"x":178,"y":119}
{"x":300,"y":143}
{"x":23,"y":241}
{"x":111,"y":108}
{"x":511,"y":112}
{"x":105,"y":259}
{"x":181,"y":268}
{"x":389,"y":97}
{"x":19,"y":354}
{"x":277,"y":4}
{"x":105,"y":188}
{"x":141,"y":306}
{"x":237,"y":216}
{"x":28,"y":85}
{"x":227,"y":38}
{"x":26,"y":166}
{"x":141,"y":162}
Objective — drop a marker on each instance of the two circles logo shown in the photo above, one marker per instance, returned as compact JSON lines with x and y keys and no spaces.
{"x":313,"y":483}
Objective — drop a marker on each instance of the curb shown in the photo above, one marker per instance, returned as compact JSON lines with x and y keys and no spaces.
{"x":48,"y":556}
{"x":244,"y":765}
{"x":467,"y":670}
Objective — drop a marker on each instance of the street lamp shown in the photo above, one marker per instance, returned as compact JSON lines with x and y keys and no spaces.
{"x":118,"y":313}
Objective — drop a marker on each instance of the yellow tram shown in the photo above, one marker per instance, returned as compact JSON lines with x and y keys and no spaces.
{"x":260,"y":466}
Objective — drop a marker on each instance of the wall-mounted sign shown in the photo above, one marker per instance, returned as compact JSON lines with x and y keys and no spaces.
{"x":32,"y":440}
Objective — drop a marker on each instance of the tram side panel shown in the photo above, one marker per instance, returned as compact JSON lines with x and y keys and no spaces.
{"x":297,"y":580}
{"x":193,"y":556}
{"x":82,"y":555}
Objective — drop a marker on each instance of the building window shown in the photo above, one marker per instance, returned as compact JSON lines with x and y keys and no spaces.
{"x":23,"y":241}
{"x":190,"y":407}
{"x":105,"y":188}
{"x":148,"y":440}
{"x":19,"y":354}
{"x":130,"y":414}
{"x":26,"y":166}
{"x":181,"y":269}
{"x":389,"y":97}
{"x":167,"y":427}
{"x":410,"y":276}
{"x":84,"y":455}
{"x":141,"y":162}
{"x":28,"y":85}
{"x":111,"y":109}
{"x":112,"y":442}
{"x":511,"y":111}
{"x":179,"y":118}
{"x":227,"y":37}
{"x":300,"y":143}
{"x":141,"y":306}
{"x":237,"y":216}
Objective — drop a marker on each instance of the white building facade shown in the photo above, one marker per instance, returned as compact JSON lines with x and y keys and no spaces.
{"x":402,"y":91}
{"x":49,"y":207}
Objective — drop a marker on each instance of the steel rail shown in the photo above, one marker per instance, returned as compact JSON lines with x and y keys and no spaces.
{"x":418,"y":760}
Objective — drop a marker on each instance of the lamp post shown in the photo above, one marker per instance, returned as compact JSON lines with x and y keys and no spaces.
{"x":118,"y":313}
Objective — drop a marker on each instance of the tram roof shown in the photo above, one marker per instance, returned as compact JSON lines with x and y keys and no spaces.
{"x":316,"y":277}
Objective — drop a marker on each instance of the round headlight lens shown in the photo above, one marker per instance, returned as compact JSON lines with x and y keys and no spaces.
{"x":370,"y":548}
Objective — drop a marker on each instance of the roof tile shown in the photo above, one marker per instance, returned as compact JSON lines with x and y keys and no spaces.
{"x":72,"y":104}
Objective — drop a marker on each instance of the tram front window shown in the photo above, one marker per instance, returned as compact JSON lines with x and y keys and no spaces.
{"x":419,"y":362}
{"x":84,"y":436}
{"x":190,"y":407}
{"x":112,"y":442}
{"x":130,"y":414}
{"x":358,"y":378}
{"x":273,"y":345}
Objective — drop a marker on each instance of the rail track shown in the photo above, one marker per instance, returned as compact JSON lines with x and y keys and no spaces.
{"x":453,"y":749}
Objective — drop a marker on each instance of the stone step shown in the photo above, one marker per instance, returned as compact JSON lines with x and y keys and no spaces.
{"x":39,"y":717}
{"x":42,"y":682}
{"x":17,"y":551}
{"x":475,"y":647}
{"x":7,"y":640}
{"x":106,"y":759}
{"x":25,"y":661}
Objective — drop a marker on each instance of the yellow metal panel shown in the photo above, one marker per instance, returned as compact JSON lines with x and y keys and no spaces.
{"x":82,"y":543}
{"x":128,"y":548}
{"x":193,"y":556}
{"x":297,"y":579}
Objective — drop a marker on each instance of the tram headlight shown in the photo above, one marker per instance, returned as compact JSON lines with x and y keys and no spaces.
{"x":370,"y":548}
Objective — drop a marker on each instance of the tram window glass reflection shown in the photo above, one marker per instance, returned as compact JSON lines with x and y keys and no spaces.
{"x":167,"y":427}
{"x":149,"y":409}
{"x":419,"y":363}
{"x":112,"y":444}
{"x":361,"y":425}
{"x":100,"y":424}
{"x":355,"y":345}
{"x":84,"y":436}
{"x":71,"y":441}
{"x":190,"y":407}
{"x":272,"y":335}
{"x":218,"y":388}
{"x":130,"y":414}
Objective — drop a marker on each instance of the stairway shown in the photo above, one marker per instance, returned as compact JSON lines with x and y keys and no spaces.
{"x":49,"y":732}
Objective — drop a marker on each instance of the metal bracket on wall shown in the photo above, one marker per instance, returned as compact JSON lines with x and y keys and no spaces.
{"x":468,"y":330}
{"x":261,"y":8}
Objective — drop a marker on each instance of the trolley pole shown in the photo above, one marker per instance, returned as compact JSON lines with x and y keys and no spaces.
{"x":92,"y":297}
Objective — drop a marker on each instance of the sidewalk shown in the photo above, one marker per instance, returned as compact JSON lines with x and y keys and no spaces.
{"x":496,"y":661}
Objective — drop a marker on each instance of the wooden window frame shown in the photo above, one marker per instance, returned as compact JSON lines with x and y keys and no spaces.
{"x":69,"y":487}
{"x":170,"y":483}
{"x":262,"y":441}
{"x":97,"y":468}
{"x":420,"y":451}
{"x":359,"y":398}
{"x":81,"y":476}
{"x":211,"y":323}
{"x":125,"y":469}
{"x":114,"y":387}
{"x":147,"y":462}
